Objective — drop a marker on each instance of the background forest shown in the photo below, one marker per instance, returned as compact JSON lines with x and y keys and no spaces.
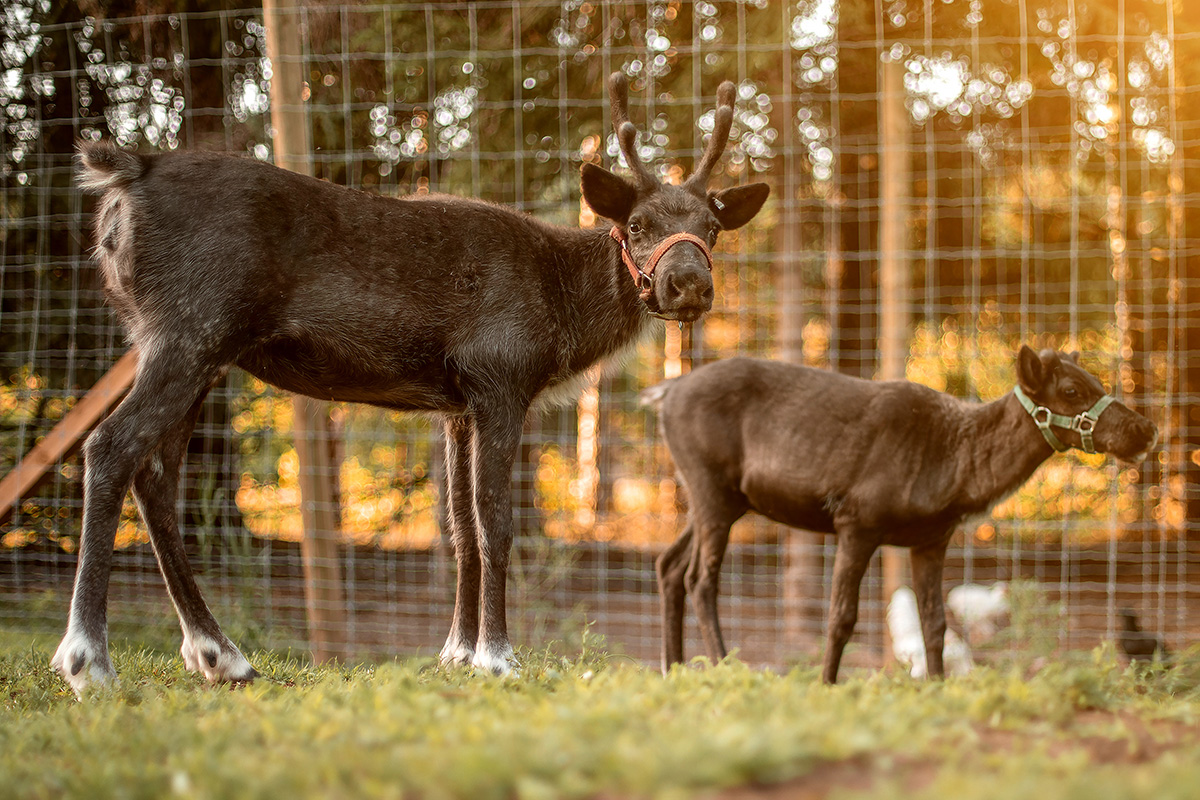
{"x":1052,"y":143}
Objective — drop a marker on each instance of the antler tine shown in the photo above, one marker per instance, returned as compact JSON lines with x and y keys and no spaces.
{"x":618,"y":92}
{"x":698,"y":181}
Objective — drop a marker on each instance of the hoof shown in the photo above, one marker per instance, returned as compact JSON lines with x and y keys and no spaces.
{"x":456,"y":653}
{"x":218,"y":660}
{"x":498,"y":661}
{"x":83,"y":664}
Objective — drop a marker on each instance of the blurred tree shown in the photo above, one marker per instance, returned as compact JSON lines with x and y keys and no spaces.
{"x":1031,"y":118}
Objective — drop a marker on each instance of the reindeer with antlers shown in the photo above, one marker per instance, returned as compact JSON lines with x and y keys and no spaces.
{"x":436,"y":304}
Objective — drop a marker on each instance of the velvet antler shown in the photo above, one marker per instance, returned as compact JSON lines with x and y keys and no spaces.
{"x":618,"y":91}
{"x":698,"y":182}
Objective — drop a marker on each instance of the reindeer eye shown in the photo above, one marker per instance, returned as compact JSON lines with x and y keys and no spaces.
{"x":635,"y":228}
{"x":1070,"y":393}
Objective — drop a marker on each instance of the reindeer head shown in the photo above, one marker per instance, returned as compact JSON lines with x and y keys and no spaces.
{"x":1071,"y":407}
{"x":668,"y":231}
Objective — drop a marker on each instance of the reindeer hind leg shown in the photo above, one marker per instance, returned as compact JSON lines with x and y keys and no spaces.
{"x":703,"y":583}
{"x":205,"y":647}
{"x":464,"y":629}
{"x":670,"y":568}
{"x":169,"y":379}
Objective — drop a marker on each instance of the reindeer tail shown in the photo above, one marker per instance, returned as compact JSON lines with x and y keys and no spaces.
{"x":103,"y":166}
{"x":654,"y":396}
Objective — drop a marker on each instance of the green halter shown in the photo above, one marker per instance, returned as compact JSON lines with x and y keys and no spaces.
{"x":1084,"y":422}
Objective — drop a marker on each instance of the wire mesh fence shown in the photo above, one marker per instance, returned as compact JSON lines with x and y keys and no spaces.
{"x":1046,"y":147}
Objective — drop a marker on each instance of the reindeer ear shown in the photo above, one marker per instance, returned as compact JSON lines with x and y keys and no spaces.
{"x":737,"y":206}
{"x":608,"y":195}
{"x":1030,"y":374}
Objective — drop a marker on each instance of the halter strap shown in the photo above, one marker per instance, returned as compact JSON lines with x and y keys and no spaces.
{"x":644,"y":279}
{"x":1083,"y":423}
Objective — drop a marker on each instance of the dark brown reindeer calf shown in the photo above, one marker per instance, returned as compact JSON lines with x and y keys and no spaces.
{"x":873,"y":462}
{"x":436,"y":304}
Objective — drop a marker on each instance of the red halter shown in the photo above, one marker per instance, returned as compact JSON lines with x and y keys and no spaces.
{"x":644,"y":279}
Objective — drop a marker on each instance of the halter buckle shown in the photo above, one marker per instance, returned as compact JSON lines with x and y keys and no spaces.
{"x":1084,"y":423}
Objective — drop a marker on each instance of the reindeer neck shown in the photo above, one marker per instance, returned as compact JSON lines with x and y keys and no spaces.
{"x":1005,"y":449}
{"x":601,"y":315}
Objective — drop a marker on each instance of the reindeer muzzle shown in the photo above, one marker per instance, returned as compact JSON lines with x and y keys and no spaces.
{"x":644,"y":278}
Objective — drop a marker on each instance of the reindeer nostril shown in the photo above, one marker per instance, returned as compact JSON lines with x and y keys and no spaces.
{"x":686,"y":290}
{"x":673,"y":289}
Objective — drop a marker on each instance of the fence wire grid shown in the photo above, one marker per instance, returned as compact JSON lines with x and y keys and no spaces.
{"x":1048,"y":149}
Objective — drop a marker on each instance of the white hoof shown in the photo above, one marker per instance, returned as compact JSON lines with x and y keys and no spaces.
{"x":83,"y":663}
{"x":456,"y":652}
{"x":219,"y":661}
{"x":496,"y":660}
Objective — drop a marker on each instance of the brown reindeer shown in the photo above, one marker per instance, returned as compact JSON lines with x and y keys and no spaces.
{"x":872,"y":462}
{"x":438,"y":304}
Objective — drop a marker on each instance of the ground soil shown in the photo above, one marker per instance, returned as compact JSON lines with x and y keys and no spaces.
{"x":1146,"y":741}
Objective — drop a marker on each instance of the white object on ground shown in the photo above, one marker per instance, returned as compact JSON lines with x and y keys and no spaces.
{"x":908,"y":643}
{"x":982,"y":610}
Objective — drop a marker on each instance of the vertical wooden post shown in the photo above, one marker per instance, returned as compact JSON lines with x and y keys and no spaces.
{"x":316,"y":444}
{"x":587,"y":440}
{"x":288,"y":124}
{"x":803,"y":589}
{"x":803,"y":560}
{"x":894,"y":193}
{"x":587,"y":451}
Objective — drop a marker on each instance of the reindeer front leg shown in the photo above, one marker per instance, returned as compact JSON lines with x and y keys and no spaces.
{"x":497,"y":434}
{"x":927,"y":565}
{"x":854,"y":551}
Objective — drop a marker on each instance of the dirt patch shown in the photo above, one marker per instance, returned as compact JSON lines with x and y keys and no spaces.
{"x":1112,"y":738}
{"x":1146,"y":740}
{"x":1108,"y":738}
{"x":857,"y":774}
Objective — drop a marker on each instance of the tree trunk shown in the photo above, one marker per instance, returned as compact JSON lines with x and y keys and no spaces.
{"x":855,"y":287}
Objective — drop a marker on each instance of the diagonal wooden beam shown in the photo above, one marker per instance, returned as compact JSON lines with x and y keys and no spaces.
{"x":67,"y":435}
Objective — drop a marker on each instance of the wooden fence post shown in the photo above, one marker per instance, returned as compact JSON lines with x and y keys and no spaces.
{"x":316,"y":443}
{"x":803,"y":590}
{"x":894,"y":201}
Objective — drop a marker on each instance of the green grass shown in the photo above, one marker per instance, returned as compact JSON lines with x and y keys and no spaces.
{"x":593,"y":725}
